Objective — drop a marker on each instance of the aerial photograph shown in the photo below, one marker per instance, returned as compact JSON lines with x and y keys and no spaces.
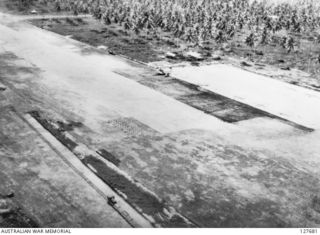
{"x":159,"y":114}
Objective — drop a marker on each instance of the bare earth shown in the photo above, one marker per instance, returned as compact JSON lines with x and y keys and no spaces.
{"x":197,"y":168}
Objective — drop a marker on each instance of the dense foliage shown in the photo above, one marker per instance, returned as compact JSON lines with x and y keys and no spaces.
{"x":199,"y":21}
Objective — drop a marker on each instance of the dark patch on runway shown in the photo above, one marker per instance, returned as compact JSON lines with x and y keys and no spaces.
{"x":135,"y":194}
{"x":108,"y":156}
{"x":68,"y":126}
{"x":55,"y":131}
{"x":221,"y":107}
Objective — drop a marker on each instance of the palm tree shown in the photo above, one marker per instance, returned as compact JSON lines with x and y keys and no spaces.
{"x":250,"y":40}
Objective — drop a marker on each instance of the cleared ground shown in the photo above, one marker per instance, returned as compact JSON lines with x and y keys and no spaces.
{"x":216,"y":174}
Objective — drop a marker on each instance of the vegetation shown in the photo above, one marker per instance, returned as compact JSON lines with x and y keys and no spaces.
{"x":200,"y":21}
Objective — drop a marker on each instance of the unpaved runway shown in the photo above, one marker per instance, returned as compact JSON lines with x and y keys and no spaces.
{"x":247,"y":173}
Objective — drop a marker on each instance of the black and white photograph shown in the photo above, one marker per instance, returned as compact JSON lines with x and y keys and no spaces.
{"x":184,"y":114}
